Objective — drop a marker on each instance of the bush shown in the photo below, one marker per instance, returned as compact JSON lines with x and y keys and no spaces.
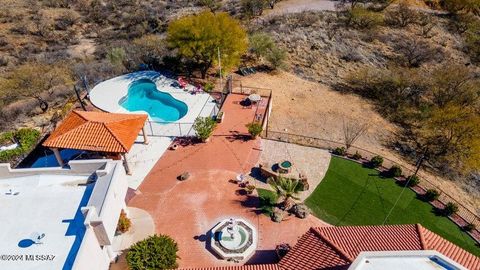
{"x":250,"y":189}
{"x":27,"y":139}
{"x":208,"y":87}
{"x":395,"y":171}
{"x":412,"y":181}
{"x":254,"y":129}
{"x":155,"y":252}
{"x":401,"y":16}
{"x":276,"y":57}
{"x":364,"y":18}
{"x":469,"y":227}
{"x":450,"y":209}
{"x":124,"y":223}
{"x":376,"y":161}
{"x":357,"y":156}
{"x":339,"y":151}
{"x":431,"y":195}
{"x":204,"y":126}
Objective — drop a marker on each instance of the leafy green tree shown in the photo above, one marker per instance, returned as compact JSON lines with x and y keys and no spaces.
{"x":198,"y":38}
{"x":454,"y":84}
{"x":204,"y":127}
{"x":33,"y":79}
{"x":450,"y":134}
{"x":286,"y":189}
{"x":155,"y":252}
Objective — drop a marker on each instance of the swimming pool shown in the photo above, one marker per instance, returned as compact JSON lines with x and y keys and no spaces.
{"x":143,"y":95}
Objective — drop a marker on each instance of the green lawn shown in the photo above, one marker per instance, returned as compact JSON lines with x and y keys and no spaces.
{"x":351,"y":194}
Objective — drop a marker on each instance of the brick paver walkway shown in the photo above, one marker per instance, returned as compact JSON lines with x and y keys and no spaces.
{"x":188,"y":210}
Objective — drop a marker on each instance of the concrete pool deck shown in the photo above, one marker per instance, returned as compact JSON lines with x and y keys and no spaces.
{"x":108,"y":94}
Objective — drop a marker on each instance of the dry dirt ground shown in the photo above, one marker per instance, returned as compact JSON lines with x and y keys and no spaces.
{"x":312,"y":109}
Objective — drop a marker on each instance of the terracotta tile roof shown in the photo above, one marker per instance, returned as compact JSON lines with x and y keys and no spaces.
{"x":239,"y":267}
{"x":97,"y":131}
{"x":337,"y":247}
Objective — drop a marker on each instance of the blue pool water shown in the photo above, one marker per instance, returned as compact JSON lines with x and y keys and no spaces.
{"x":143,"y":95}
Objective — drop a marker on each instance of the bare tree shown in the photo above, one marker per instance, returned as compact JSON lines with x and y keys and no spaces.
{"x":353,"y":130}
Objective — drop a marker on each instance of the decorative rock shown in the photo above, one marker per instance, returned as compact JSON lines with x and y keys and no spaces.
{"x":300,"y":210}
{"x":184,"y":176}
{"x":277,"y":215}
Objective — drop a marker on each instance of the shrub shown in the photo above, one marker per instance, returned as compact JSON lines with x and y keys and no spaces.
{"x":401,"y":16}
{"x":276,"y":57}
{"x":357,"y":156}
{"x":254,"y":129}
{"x":250,"y":189}
{"x":376,"y":161}
{"x":204,"y":126}
{"x":431,"y":195}
{"x":282,"y":249}
{"x":469,"y":227}
{"x":124,"y":223}
{"x":364,"y":18}
{"x":155,"y":252}
{"x":450,"y":209}
{"x":339,"y":151}
{"x":412,"y":180}
{"x":208,"y":87}
{"x":395,"y":171}
{"x":27,"y":139}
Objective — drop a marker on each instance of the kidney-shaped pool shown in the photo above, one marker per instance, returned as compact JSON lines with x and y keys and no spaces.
{"x":143,"y":95}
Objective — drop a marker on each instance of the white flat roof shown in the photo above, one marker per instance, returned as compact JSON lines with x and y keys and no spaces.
{"x":45,"y":204}
{"x":401,"y":260}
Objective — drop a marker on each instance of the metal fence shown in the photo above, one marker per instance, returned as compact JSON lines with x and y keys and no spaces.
{"x":179,"y":129}
{"x":465,"y":213}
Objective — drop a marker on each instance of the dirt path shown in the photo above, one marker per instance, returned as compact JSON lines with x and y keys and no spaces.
{"x":294,"y":6}
{"x":312,"y":109}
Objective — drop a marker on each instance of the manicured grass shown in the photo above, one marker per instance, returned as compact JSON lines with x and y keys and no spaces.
{"x":351,"y":194}
{"x":268,"y":200}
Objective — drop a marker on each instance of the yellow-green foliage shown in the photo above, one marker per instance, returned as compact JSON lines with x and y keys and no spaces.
{"x":198,"y":38}
{"x":27,"y":139}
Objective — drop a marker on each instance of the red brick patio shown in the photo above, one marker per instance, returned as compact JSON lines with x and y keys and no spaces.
{"x":188,"y":210}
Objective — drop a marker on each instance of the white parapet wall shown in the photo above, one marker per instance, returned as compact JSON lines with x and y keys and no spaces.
{"x":85,"y":202}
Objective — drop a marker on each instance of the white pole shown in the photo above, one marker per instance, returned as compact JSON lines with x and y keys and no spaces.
{"x":220,"y":64}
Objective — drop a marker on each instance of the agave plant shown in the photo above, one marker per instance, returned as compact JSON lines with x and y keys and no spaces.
{"x":286,"y":189}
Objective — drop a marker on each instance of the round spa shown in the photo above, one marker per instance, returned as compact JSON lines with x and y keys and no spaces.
{"x":285,"y":166}
{"x":234,"y":239}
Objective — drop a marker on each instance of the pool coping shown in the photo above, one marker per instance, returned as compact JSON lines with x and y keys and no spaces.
{"x":108,"y":94}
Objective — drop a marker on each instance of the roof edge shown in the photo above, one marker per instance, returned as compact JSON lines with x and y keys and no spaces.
{"x":420,"y":229}
{"x":335,"y":247}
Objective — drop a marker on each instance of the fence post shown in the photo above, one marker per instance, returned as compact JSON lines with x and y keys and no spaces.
{"x":151,"y":128}
{"x":180,"y":129}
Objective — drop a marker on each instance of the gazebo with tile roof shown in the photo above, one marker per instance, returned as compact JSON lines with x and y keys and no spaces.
{"x":110,"y":133}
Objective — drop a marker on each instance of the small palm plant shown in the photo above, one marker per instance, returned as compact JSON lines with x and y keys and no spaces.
{"x":287,"y":189}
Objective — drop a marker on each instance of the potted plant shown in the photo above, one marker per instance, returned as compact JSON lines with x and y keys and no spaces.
{"x":204,"y":127}
{"x":124,"y":223}
{"x":254,"y":129}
